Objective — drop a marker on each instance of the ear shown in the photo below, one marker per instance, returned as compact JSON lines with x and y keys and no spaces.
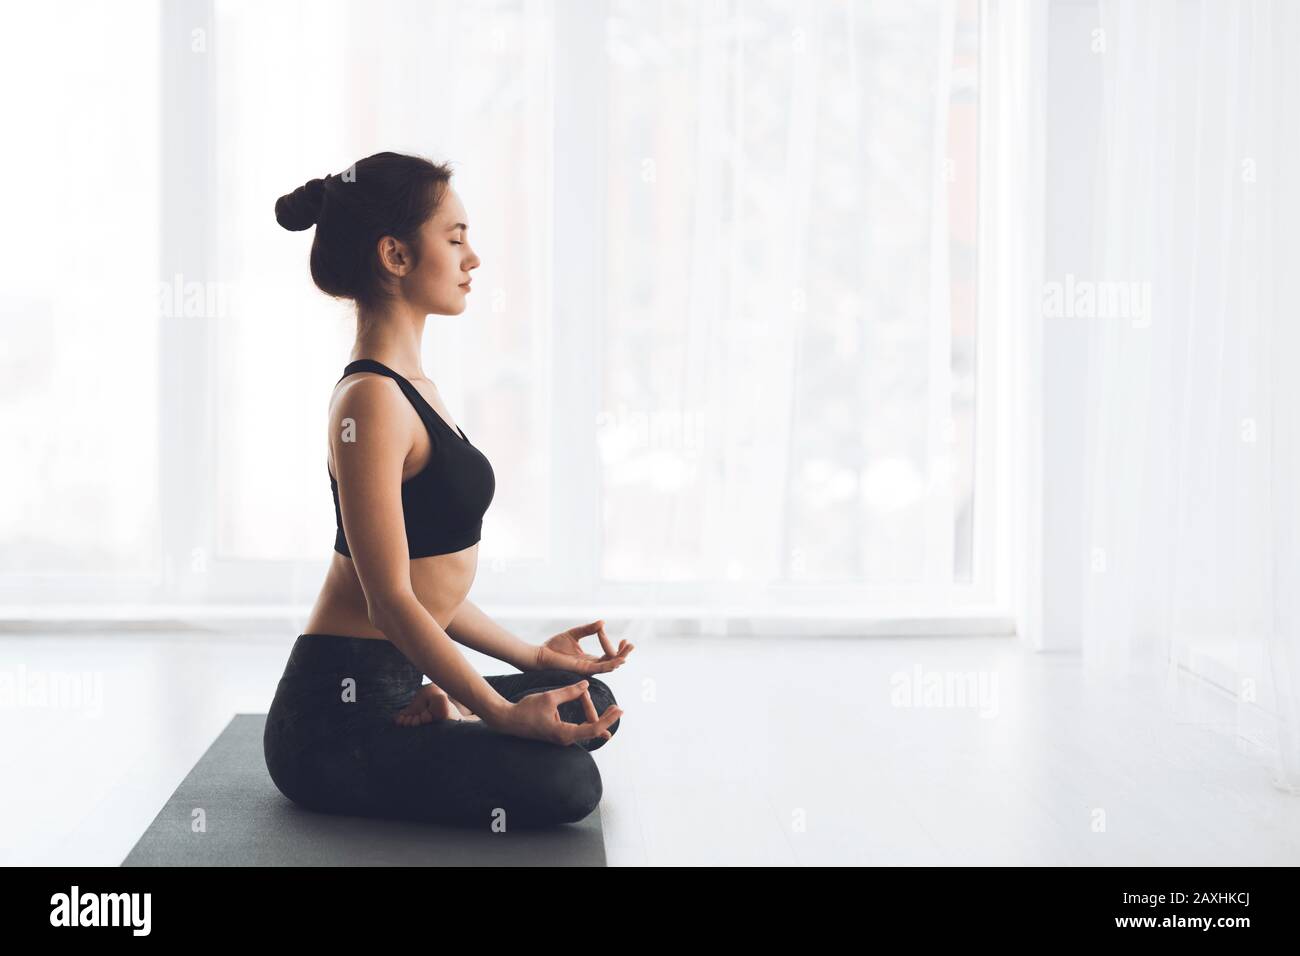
{"x":394,"y":256}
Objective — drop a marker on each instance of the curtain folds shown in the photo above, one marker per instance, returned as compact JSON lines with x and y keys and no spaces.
{"x":1193,"y":408}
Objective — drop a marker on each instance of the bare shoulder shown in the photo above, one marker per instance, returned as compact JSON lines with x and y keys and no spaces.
{"x":368,"y":410}
{"x":370,"y":439}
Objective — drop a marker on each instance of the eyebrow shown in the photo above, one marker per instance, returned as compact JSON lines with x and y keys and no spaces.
{"x":458,"y":225}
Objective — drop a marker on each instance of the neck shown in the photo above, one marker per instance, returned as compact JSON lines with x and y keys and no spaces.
{"x":391,"y":335}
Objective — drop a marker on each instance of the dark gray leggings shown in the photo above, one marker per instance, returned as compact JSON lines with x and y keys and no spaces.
{"x":331,"y":744}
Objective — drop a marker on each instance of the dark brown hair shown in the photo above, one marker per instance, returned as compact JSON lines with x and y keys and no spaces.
{"x":387,"y":194}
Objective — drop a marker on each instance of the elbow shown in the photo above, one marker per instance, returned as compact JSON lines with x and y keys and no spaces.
{"x":385,"y":610}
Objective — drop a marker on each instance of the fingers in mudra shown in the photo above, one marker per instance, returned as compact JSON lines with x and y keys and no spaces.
{"x":609,"y":660}
{"x":582,"y":711}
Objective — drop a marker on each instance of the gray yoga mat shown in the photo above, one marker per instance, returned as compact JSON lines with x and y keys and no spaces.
{"x":251,"y":823}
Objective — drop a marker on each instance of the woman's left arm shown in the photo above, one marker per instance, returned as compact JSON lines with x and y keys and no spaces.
{"x":475,"y":629}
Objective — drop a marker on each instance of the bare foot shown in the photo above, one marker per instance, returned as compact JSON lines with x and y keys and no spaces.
{"x":430,"y":703}
{"x":465,"y":712}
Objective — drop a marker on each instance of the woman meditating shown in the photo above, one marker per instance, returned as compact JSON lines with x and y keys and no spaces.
{"x":352,"y":729}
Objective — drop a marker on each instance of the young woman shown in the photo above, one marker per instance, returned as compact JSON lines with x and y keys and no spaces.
{"x":351,"y":728}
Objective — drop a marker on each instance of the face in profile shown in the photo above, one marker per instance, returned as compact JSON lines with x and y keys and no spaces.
{"x":440,"y":284}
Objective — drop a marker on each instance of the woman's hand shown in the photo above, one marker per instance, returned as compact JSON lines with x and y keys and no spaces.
{"x":563,"y":652}
{"x":537,"y":716}
{"x":431,"y":703}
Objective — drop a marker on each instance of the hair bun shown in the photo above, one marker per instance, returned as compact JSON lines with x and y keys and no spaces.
{"x":300,"y":209}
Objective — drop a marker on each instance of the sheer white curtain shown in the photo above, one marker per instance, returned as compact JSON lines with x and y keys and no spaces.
{"x":789,"y":311}
{"x":723,"y":348}
{"x":79,"y":391}
{"x":723,"y":351}
{"x":1193,"y":404}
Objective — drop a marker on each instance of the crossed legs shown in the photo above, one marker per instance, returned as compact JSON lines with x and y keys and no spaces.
{"x":464,"y":773}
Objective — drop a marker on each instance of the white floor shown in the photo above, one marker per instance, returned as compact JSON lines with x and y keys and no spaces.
{"x":733,"y":750}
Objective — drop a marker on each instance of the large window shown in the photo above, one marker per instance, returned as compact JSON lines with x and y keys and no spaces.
{"x":725,"y":347}
{"x":789,"y":318}
{"x":79,"y":382}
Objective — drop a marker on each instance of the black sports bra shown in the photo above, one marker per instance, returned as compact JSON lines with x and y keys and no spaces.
{"x":443,"y":505}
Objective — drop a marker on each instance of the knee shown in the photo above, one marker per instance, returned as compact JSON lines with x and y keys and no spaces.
{"x":565,"y":787}
{"x":600,"y":693}
{"x":602,"y":698}
{"x":577,"y":788}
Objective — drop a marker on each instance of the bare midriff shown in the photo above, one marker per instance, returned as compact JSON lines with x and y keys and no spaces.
{"x":441,"y":583}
